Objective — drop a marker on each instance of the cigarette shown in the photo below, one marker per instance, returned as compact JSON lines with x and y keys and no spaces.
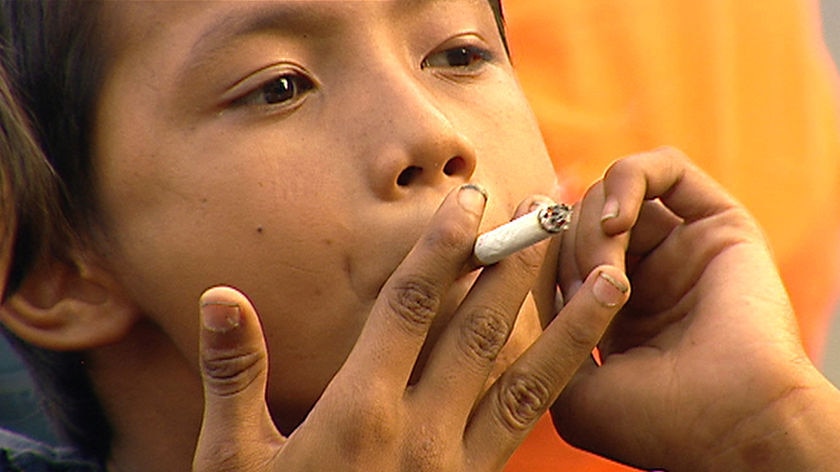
{"x":496,"y":244}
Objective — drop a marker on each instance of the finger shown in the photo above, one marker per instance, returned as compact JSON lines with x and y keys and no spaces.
{"x":391,"y":340}
{"x":593,"y":247}
{"x":546,"y":293}
{"x":569,"y":277}
{"x":667,"y":274}
{"x":468,"y":348}
{"x":236,"y":427}
{"x":548,"y":297}
{"x":666,"y":174}
{"x":587,"y":404}
{"x":655,"y":222}
{"x":524,"y":392}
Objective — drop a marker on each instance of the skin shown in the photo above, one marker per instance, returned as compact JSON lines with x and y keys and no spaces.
{"x":200,"y":184}
{"x":306,"y":205}
{"x":703,"y":369}
{"x":289,"y":202}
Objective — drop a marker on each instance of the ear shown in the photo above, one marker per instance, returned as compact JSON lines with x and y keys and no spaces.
{"x":70,"y":306}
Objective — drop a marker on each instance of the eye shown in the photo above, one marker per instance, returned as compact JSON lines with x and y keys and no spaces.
{"x":466,"y":58}
{"x":279,"y":90}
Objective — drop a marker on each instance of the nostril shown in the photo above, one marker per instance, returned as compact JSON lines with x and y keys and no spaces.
{"x":408,"y":175}
{"x":454,"y":166}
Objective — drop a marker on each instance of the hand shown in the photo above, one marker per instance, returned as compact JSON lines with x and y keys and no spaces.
{"x":369,"y":418}
{"x":703,"y":368}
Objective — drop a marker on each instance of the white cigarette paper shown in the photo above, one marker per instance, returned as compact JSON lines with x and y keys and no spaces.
{"x":496,"y":244}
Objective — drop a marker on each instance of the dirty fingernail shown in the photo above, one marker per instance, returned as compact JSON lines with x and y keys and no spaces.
{"x":220,"y":317}
{"x":472,"y":197}
{"x":609,"y":291}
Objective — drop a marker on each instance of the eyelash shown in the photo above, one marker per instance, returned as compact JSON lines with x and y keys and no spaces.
{"x":286,"y":89}
{"x":463,"y":59}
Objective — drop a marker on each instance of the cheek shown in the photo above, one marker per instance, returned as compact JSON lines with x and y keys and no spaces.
{"x":515,"y":155}
{"x":505,"y":112}
{"x":309,"y":312}
{"x":175,"y":233}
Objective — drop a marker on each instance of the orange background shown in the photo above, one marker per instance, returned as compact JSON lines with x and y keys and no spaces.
{"x":745,"y":88}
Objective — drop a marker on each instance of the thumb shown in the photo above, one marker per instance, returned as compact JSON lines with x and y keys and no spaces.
{"x":236,"y":428}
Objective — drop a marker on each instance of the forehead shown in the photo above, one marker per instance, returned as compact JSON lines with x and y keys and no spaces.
{"x":229,"y":18}
{"x":192,"y":34}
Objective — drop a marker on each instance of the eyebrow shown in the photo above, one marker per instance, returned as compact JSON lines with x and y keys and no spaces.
{"x":282,"y":18}
{"x":290,"y":18}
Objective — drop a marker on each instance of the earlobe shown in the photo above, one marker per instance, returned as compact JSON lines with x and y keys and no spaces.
{"x":69,"y":306}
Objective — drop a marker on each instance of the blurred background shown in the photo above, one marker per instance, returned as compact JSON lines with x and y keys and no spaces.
{"x":831,"y":27}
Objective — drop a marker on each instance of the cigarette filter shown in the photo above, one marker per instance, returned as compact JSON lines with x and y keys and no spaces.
{"x":496,"y":244}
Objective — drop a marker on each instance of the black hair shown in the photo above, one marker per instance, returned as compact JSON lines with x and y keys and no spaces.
{"x":55,"y":69}
{"x":56,"y":59}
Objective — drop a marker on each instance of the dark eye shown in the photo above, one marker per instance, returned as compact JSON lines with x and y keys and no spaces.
{"x":279,"y":90}
{"x":461,"y":57}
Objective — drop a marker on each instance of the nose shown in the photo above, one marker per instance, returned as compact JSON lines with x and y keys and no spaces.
{"x":456,"y":167}
{"x":417,"y":144}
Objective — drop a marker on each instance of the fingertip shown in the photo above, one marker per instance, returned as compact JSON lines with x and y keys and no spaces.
{"x":611,"y":209}
{"x":228,"y":320}
{"x":232,"y":347}
{"x":624,"y":191}
{"x":220,"y":309}
{"x":610,"y":287}
{"x":473,"y":198}
{"x":613,"y":220}
{"x":221,"y":293}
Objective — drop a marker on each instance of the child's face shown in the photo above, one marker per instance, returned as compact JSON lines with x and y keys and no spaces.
{"x":296,"y":150}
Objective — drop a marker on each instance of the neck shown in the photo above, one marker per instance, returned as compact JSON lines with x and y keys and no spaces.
{"x":155,"y":413}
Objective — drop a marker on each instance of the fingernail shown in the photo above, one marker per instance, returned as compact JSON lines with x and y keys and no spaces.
{"x":220,"y":317}
{"x":611,"y":209}
{"x":609,"y":291}
{"x":472,"y":198}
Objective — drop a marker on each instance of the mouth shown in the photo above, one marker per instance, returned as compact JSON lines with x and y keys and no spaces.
{"x":502,"y":241}
{"x":507,"y":238}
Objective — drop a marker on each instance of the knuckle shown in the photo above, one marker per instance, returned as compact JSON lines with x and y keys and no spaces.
{"x":580,"y":335}
{"x":223,"y":457}
{"x":367,"y":424}
{"x":530,"y":259}
{"x":675,"y":160}
{"x":449,"y":236}
{"x":522,"y":399}
{"x":415,"y":302}
{"x":671,"y":152}
{"x":621,"y":166}
{"x":426,"y":451}
{"x":728,"y":228}
{"x":597,"y":188}
{"x":229,"y":372}
{"x":739,"y":219}
{"x":484,"y":334}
